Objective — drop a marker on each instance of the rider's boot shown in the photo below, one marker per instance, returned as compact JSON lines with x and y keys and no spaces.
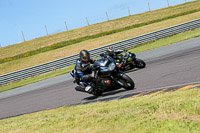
{"x":89,"y":89}
{"x":84,"y":88}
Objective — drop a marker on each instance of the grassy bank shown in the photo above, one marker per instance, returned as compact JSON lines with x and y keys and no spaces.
{"x":136,"y":49}
{"x":91,"y":44}
{"x":177,"y":112}
{"x":78,"y":40}
{"x":62,"y":39}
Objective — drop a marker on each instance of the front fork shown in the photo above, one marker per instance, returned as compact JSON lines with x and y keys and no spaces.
{"x":120,"y":74}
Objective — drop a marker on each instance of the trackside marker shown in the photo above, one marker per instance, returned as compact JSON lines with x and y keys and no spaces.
{"x":158,"y":92}
{"x":143,"y":93}
{"x":188,"y":87}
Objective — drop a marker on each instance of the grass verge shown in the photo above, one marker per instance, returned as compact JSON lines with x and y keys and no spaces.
{"x":135,"y":49}
{"x":177,"y":111}
{"x":36,"y":79}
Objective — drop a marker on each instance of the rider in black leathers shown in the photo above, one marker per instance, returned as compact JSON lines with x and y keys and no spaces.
{"x":83,"y":72}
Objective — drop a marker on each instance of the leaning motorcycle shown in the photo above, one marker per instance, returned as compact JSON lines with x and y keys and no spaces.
{"x":129,"y":61}
{"x":108,"y":77}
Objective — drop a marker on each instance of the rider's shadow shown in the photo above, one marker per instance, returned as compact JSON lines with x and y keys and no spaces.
{"x":105,"y":95}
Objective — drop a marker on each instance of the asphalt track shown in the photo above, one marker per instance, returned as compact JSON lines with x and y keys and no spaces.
{"x":167,"y":66}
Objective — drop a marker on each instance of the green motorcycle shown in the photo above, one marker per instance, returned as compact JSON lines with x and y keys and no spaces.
{"x":127,"y":61}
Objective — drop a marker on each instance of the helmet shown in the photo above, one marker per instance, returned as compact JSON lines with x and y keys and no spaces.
{"x":110,"y":51}
{"x":84,"y":56}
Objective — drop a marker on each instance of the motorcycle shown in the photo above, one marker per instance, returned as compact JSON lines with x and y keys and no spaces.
{"x":108,"y":77}
{"x":129,"y":61}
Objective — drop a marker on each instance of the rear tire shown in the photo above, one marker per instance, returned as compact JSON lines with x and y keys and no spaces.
{"x":140,"y":63}
{"x":128,"y":82}
{"x":97,"y":93}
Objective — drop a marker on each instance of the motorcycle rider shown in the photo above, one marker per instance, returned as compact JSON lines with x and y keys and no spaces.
{"x":115,"y":54}
{"x":83,"y":72}
{"x":120,"y":55}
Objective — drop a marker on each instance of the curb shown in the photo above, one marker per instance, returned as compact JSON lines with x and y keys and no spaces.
{"x":152,"y":92}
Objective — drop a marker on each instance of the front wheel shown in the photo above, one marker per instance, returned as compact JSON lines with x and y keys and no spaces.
{"x":140,"y":63}
{"x":128,"y":83}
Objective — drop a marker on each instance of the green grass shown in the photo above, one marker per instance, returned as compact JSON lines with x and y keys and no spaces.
{"x":171,"y":112}
{"x":36,"y":79}
{"x":135,"y":49}
{"x":146,"y":19}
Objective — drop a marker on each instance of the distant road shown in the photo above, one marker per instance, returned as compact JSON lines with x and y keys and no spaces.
{"x":166,"y":66}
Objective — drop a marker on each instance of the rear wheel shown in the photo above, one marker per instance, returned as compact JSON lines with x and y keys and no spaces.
{"x":128,"y":82}
{"x":140,"y":63}
{"x":97,"y":92}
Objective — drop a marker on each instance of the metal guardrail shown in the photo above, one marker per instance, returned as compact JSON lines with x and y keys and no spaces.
{"x":66,"y":61}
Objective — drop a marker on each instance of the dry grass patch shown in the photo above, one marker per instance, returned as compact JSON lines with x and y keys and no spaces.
{"x":176,"y":116}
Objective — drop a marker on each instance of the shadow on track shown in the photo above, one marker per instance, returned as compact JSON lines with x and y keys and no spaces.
{"x":133,"y":70}
{"x":106,"y":95}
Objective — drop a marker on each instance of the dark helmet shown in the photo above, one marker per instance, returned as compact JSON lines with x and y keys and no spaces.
{"x":84,"y":56}
{"x":110,"y":51}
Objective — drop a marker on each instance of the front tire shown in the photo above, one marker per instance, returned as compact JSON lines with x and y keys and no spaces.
{"x":128,"y":82}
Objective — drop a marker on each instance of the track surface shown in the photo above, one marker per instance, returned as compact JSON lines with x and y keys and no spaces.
{"x":167,"y":66}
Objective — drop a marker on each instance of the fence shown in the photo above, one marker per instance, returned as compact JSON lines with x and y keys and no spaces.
{"x":108,"y":15}
{"x":66,"y":61}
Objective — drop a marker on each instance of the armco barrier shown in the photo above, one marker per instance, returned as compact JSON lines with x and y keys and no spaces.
{"x":66,"y":61}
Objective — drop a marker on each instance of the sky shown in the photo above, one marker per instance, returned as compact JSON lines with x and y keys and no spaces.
{"x":31,"y":16}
